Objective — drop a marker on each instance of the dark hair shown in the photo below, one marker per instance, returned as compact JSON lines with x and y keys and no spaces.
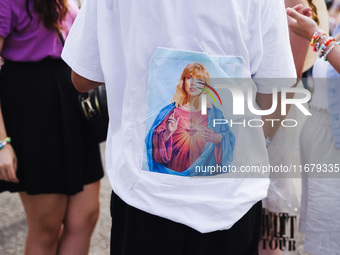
{"x":51,"y":12}
{"x":314,"y":12}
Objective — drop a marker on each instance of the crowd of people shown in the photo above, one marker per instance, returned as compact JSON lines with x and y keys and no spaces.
{"x":161,"y":128}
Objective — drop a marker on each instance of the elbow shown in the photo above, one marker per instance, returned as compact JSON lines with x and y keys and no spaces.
{"x":77,"y":82}
{"x":82,"y":84}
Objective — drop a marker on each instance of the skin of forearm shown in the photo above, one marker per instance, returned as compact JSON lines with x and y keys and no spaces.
{"x":334,"y":57}
{"x":82,"y":84}
{"x":298,"y":44}
{"x":3,"y":133}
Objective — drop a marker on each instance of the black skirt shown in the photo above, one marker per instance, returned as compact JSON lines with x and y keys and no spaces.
{"x":55,"y":151}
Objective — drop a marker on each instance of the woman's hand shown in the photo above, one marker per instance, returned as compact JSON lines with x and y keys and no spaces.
{"x":8,"y":164}
{"x":300,"y":23}
{"x":211,"y":136}
{"x":171,"y":126}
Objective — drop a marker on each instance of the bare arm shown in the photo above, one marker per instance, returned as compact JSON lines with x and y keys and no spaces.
{"x":298,"y":44}
{"x":2,"y":40}
{"x":82,"y":84}
{"x":2,"y":125}
{"x":305,"y":27}
{"x":8,"y":160}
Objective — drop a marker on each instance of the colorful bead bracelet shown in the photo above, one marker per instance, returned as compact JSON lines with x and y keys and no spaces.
{"x":331,"y":39}
{"x":329,"y":50}
{"x":7,"y":140}
{"x":315,"y":39}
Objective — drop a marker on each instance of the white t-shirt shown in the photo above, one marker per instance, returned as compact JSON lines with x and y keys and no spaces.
{"x":139,"y":49}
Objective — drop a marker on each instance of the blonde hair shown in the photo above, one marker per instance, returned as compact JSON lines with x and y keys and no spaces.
{"x":196,"y":70}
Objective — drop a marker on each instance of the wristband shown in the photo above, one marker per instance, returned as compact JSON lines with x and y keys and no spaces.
{"x":7,"y":140}
{"x":329,"y":41}
{"x":317,"y":43}
{"x":315,"y":39}
{"x":322,"y":49}
{"x":328,"y":51}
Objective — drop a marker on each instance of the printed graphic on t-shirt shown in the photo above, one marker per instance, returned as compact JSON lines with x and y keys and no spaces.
{"x":186,"y":127}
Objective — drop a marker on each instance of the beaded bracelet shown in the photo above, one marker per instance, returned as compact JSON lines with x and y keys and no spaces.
{"x":329,"y":50}
{"x":316,"y":37}
{"x":331,"y":39}
{"x":323,"y":35}
{"x":322,"y":49}
{"x":317,"y":43}
{"x":7,"y":140}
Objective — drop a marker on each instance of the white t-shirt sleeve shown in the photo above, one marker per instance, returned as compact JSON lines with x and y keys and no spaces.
{"x":81,"y":51}
{"x":277,"y":68}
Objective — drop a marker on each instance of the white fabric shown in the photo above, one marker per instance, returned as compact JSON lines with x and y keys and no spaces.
{"x":284,"y":150}
{"x":319,"y":97}
{"x":320,"y":204}
{"x":113,"y":42}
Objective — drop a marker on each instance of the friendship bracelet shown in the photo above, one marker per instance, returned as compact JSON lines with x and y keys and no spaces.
{"x":317,"y":43}
{"x":322,"y":49}
{"x":331,"y":39}
{"x":7,"y":140}
{"x":329,"y":50}
{"x":316,"y":37}
{"x":323,"y":35}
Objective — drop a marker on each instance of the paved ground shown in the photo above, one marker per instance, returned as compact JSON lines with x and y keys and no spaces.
{"x":13,"y":225}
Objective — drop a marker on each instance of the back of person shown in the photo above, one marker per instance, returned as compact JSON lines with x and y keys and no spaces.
{"x":127,"y":36}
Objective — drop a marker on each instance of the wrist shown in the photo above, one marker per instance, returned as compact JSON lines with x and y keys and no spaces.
{"x":311,"y":31}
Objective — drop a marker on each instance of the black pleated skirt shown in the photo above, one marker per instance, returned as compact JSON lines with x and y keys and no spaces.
{"x":55,"y":151}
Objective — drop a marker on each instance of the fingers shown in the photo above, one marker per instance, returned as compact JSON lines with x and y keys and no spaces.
{"x":171,"y":120}
{"x":11,"y":175}
{"x":292,"y":13}
{"x":307,"y":11}
{"x":8,"y":165}
{"x":297,"y":7}
{"x":292,"y":17}
{"x":15,"y":164}
{"x":299,"y":13}
{"x":7,"y":173}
